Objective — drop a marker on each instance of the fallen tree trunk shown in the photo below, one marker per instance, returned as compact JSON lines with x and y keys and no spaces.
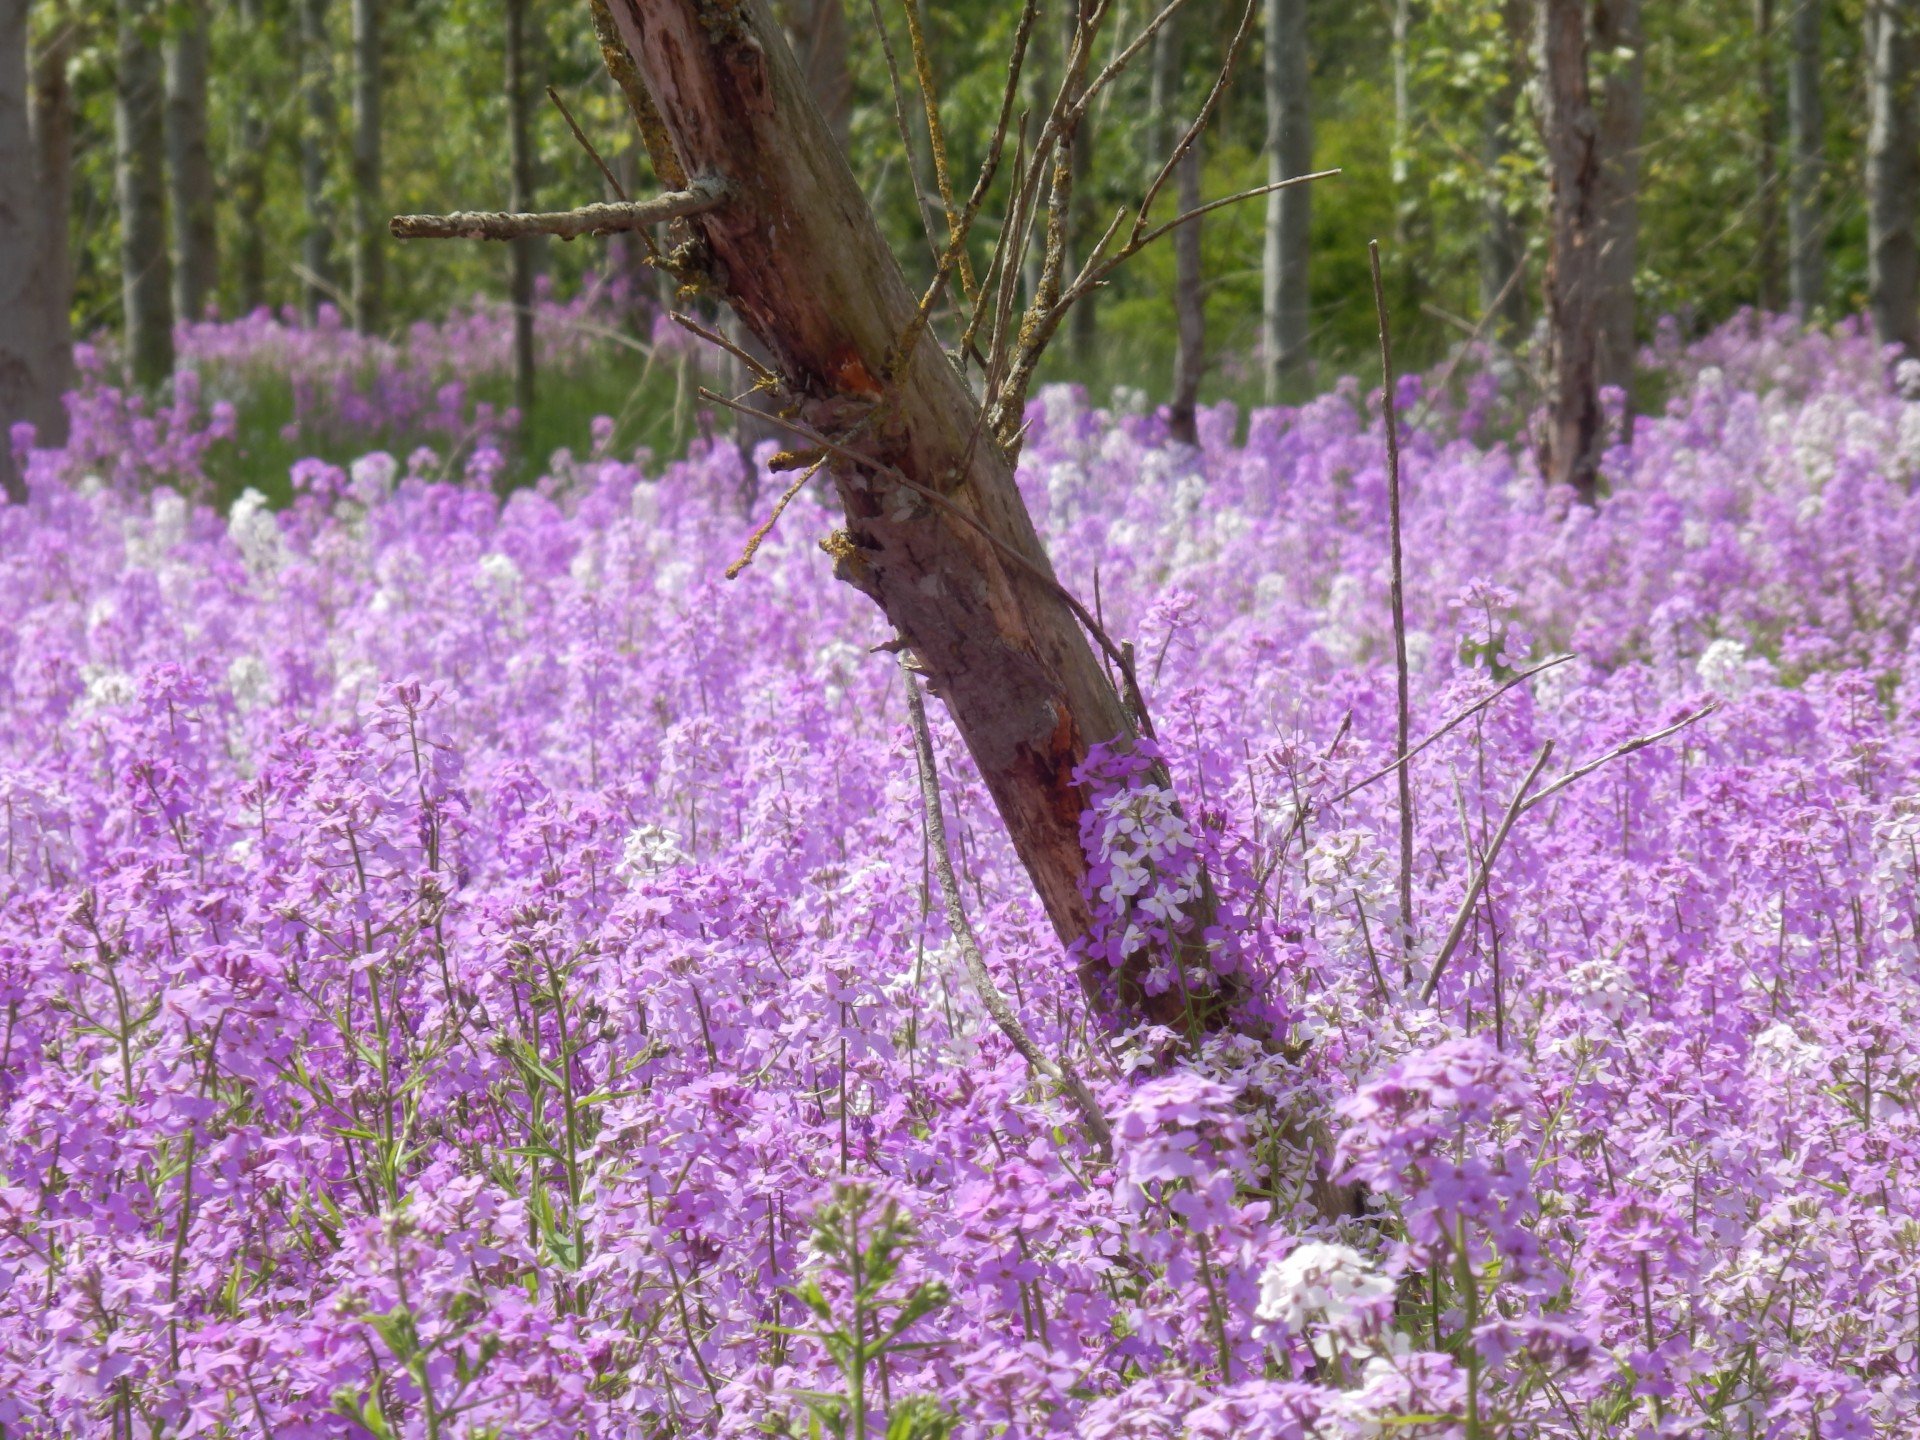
{"x":936,"y":530}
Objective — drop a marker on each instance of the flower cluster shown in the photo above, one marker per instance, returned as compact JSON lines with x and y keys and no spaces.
{"x":467,"y":969}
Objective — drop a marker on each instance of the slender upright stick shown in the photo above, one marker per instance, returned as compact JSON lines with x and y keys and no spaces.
{"x":1397,"y":592}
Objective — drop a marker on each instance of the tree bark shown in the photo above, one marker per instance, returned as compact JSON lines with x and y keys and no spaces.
{"x":1501,"y":246}
{"x":53,"y":114}
{"x":796,"y":253}
{"x":1807,"y":140}
{"x":1570,"y":441}
{"x":520,"y":157}
{"x":1772,"y":288}
{"x":368,"y":257}
{"x":1189,"y":306}
{"x":1893,"y":171}
{"x":190,"y":163}
{"x":319,"y":123}
{"x":1617,"y":36}
{"x":140,"y":184}
{"x":1286,"y":303}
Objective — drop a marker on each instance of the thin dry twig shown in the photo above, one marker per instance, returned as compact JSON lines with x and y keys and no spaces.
{"x":1465,"y":913}
{"x":765,"y":527}
{"x":900,"y":122}
{"x":1458,"y":719}
{"x":1397,"y":599}
{"x":713,"y":337}
{"x":997,"y":1006}
{"x":700,"y":196}
{"x":937,"y":139}
{"x":1446,"y":377}
{"x":1639,"y":742}
{"x":613,"y":183}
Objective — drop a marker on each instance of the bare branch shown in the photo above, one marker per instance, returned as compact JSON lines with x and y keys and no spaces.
{"x":1467,"y":901}
{"x":1640,"y":742}
{"x":1456,"y":720}
{"x":699,"y":197}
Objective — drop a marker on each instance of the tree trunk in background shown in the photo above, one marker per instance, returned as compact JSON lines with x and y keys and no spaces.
{"x":53,"y":150}
{"x":250,"y":174}
{"x":520,"y":157}
{"x":1570,"y":443}
{"x":1772,"y":288}
{"x":196,"y":266}
{"x":1189,"y":306}
{"x":803,"y":264}
{"x":1501,"y":245}
{"x":1807,"y":140}
{"x":25,"y":384}
{"x":140,"y":184}
{"x":1893,"y":172}
{"x":1286,"y":302}
{"x":817,"y":30}
{"x":318,"y":126}
{"x":1617,"y":35}
{"x":368,"y":257}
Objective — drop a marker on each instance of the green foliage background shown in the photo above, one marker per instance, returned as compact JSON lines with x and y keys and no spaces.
{"x":446,"y":148}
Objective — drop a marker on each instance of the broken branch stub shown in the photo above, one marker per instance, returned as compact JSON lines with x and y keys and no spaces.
{"x":796,"y":253}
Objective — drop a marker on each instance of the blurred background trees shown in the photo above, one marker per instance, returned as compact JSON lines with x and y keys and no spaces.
{"x":218,"y":155}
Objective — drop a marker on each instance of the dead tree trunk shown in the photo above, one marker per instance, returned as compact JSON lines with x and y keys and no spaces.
{"x":367,"y":259}
{"x":1570,"y":442}
{"x":1806,"y":138}
{"x":53,"y":113}
{"x":520,"y":161}
{"x":936,"y":531}
{"x":1893,"y":171}
{"x":1617,"y":35}
{"x":140,"y":164}
{"x":189,"y":163}
{"x":1286,"y":301}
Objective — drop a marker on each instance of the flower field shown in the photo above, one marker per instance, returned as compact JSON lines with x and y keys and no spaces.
{"x":470,"y":969}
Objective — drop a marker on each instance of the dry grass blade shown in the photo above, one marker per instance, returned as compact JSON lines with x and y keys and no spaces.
{"x":996,"y":1003}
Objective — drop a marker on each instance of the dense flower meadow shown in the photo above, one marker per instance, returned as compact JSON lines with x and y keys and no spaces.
{"x":469,"y":969}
